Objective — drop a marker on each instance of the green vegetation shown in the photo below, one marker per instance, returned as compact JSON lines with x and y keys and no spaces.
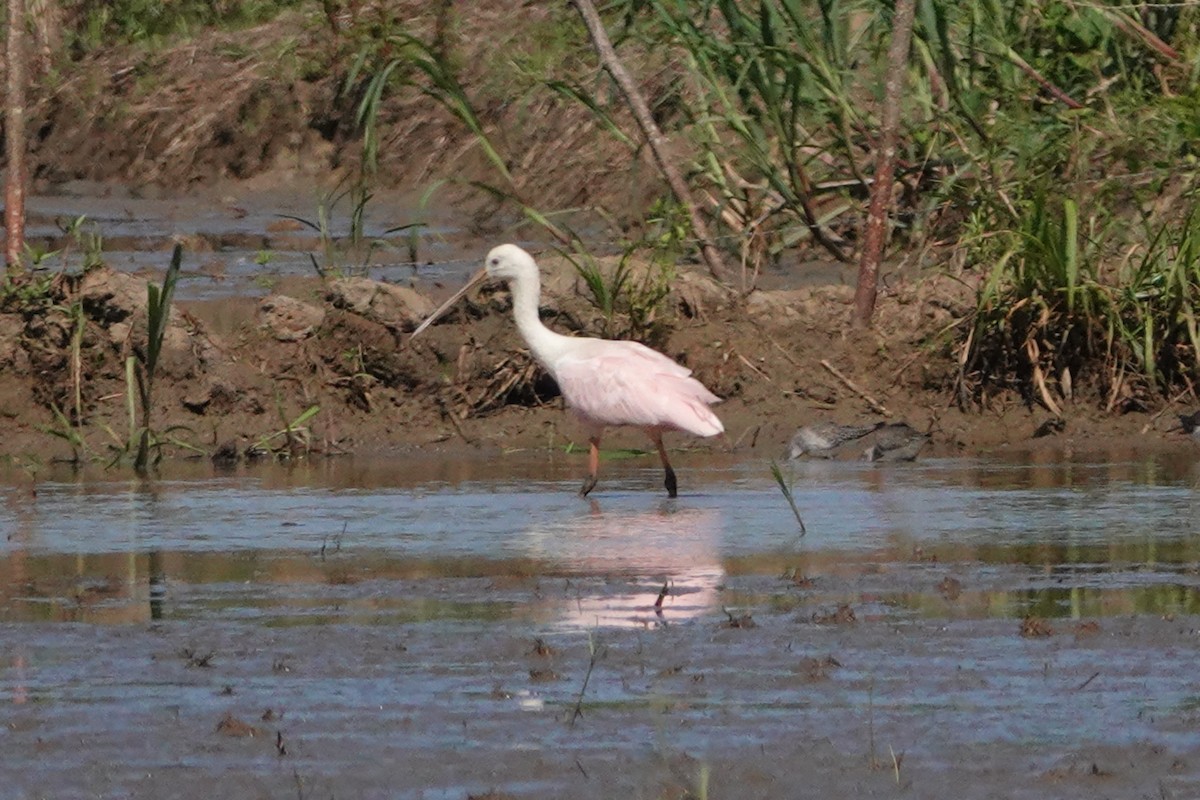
{"x":785,"y":488}
{"x":86,"y":240}
{"x":28,"y":292}
{"x":400,"y":59}
{"x":1047,"y":153}
{"x":1060,"y":302}
{"x":351,"y":254}
{"x":62,"y":428}
{"x":99,"y":23}
{"x":632,"y":294}
{"x":143,"y":367}
{"x":296,"y":437}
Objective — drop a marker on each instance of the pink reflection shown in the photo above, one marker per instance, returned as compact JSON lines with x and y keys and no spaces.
{"x":620,"y":562}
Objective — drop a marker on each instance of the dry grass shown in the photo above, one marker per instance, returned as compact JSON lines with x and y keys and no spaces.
{"x":220,"y":104}
{"x":513,"y":380}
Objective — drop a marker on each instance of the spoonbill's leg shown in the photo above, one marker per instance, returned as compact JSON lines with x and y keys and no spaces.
{"x":656,"y":437}
{"x":589,"y":483}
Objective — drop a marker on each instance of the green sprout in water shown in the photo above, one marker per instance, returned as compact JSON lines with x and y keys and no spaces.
{"x":787,"y":495}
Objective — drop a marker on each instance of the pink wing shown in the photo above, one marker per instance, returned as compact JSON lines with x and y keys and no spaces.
{"x":626,"y":383}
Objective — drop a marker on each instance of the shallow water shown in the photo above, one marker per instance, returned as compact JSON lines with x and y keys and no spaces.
{"x":1102,"y":528}
{"x":457,"y":614}
{"x":240,"y":242}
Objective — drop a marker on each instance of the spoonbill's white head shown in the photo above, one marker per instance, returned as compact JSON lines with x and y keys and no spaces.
{"x":507,"y":262}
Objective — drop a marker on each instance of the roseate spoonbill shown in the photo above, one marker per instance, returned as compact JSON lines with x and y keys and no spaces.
{"x":605,"y":382}
{"x":896,"y":441}
{"x":821,"y":439}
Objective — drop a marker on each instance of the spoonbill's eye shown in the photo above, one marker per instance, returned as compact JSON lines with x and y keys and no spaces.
{"x":495,"y":262}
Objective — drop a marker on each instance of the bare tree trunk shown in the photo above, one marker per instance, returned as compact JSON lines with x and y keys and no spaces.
{"x":14,"y":138}
{"x":654,"y":137}
{"x":885,"y":166}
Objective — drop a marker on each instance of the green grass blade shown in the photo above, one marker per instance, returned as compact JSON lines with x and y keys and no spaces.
{"x":787,"y":495}
{"x":1071,"y":250}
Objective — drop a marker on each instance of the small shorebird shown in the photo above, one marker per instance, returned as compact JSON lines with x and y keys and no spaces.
{"x":605,"y":382}
{"x":822,"y":439}
{"x":896,"y":441}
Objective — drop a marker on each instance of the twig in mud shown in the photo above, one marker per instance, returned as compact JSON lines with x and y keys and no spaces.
{"x":446,"y":413}
{"x":739,"y":621}
{"x":753,"y":429}
{"x":1083,"y":685}
{"x":785,"y":353}
{"x":662,"y":594}
{"x":1150,"y":425}
{"x":875,"y":405}
{"x":582,"y":770}
{"x":896,"y":375}
{"x":746,"y":361}
{"x":787,"y":495}
{"x":597,"y":653}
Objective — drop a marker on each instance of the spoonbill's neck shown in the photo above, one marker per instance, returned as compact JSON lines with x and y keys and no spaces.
{"x":526,"y":294}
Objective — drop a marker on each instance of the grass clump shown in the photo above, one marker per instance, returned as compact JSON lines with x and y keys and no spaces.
{"x":102,"y":23}
{"x":1069,"y":305}
{"x":631,"y":296}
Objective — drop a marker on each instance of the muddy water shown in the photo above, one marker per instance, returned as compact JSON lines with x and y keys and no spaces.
{"x":427,"y":627}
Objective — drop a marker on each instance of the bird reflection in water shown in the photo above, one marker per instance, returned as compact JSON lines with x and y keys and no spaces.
{"x":616,"y":565}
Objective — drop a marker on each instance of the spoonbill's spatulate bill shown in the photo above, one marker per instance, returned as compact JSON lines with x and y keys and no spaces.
{"x":605,"y":382}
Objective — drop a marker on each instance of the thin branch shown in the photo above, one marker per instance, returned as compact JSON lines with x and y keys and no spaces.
{"x":1058,"y":94}
{"x":1126,"y":23}
{"x":654,"y":136}
{"x":875,"y":405}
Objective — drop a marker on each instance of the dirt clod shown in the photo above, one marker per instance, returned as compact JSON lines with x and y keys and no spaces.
{"x":231,"y":726}
{"x":739,"y":621}
{"x":1035,"y":626}
{"x":289,"y":319}
{"x":843,"y":615}
{"x":950,"y":588}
